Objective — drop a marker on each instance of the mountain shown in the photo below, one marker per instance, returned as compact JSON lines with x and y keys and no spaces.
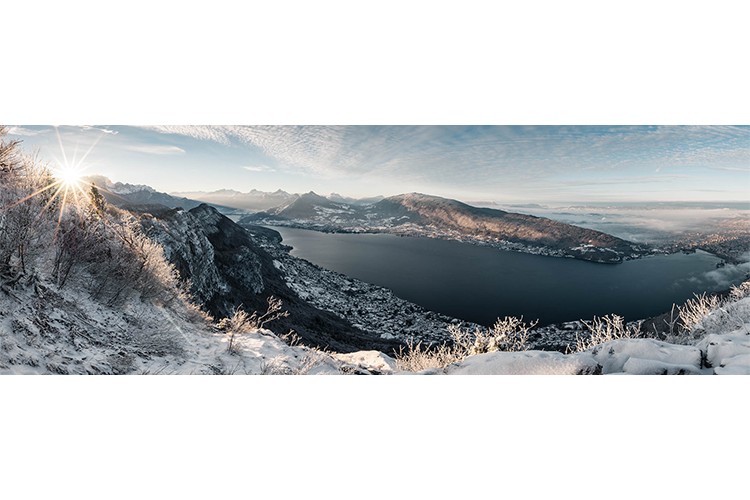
{"x":129,"y":195}
{"x":354,"y":201}
{"x":253,"y":200}
{"x":418,"y":214}
{"x":117,"y":187}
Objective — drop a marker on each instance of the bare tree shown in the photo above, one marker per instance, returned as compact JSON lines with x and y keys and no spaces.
{"x":242,"y":322}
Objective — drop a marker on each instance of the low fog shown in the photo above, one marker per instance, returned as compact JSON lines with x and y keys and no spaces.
{"x":643,"y":223}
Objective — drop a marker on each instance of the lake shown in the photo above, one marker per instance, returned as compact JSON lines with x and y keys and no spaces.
{"x":480,"y":284}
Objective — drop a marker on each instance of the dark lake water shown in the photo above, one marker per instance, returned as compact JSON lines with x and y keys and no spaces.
{"x":481,"y":284}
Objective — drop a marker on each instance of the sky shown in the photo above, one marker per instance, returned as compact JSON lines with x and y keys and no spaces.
{"x":506,"y":164}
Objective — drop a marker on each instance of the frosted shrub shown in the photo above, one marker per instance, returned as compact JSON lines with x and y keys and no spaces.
{"x":695,"y":310}
{"x":605,"y":329}
{"x":507,"y":334}
{"x":706,"y":314}
{"x":510,"y":334}
{"x":242,"y":322}
{"x":417,"y":357}
{"x":740,"y":292}
{"x":239,"y":323}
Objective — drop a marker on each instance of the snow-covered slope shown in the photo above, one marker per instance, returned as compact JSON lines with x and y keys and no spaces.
{"x":724,"y":350}
{"x":44,"y":330}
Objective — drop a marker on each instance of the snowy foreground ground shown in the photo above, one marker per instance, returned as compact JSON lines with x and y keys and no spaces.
{"x":43,"y":331}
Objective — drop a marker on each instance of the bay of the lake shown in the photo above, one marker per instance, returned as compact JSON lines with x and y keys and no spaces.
{"x":480,"y":284}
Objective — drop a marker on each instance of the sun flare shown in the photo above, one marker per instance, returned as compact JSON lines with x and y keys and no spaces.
{"x":69,"y":177}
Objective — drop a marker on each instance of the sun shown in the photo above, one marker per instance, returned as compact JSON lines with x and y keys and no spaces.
{"x":70,"y":177}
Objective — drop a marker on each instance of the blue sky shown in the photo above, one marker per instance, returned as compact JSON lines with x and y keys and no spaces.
{"x":492,"y":163}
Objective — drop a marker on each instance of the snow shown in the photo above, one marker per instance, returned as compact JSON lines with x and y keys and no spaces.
{"x":630,"y":356}
{"x":524,"y":363}
{"x":729,"y":354}
{"x":615,"y":355}
{"x":639,"y":366}
{"x":68,"y":333}
{"x":372,"y":360}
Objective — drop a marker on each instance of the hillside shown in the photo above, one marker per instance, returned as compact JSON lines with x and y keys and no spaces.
{"x":423,"y":215}
{"x":45,"y":330}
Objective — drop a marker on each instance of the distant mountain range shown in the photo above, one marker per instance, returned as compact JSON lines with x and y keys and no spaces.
{"x":418,"y":214}
{"x":257,"y":201}
{"x":253,"y":201}
{"x":139,"y":195}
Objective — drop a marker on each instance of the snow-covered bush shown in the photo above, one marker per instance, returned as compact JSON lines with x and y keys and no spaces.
{"x":509,"y":334}
{"x":706,"y":314}
{"x":417,"y":357}
{"x":695,"y":310}
{"x":740,"y":291}
{"x":242,"y":322}
{"x":605,"y":329}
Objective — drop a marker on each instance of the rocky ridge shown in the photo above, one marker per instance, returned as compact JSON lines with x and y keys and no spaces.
{"x":228,"y":267}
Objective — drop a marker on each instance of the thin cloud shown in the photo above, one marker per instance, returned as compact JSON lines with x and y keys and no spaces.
{"x":24,"y":132}
{"x":259,"y":168}
{"x":626,"y":180}
{"x":733,"y":169}
{"x":100,"y":129}
{"x":155,"y":149}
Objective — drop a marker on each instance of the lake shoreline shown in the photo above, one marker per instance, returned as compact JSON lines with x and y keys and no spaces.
{"x":333,"y":257}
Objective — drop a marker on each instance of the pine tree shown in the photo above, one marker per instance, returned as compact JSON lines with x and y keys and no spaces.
{"x":97,"y":200}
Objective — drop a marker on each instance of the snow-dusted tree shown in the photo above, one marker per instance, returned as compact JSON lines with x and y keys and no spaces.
{"x":80,"y":242}
{"x":97,"y":200}
{"x":121,"y":261}
{"x":25,"y":201}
